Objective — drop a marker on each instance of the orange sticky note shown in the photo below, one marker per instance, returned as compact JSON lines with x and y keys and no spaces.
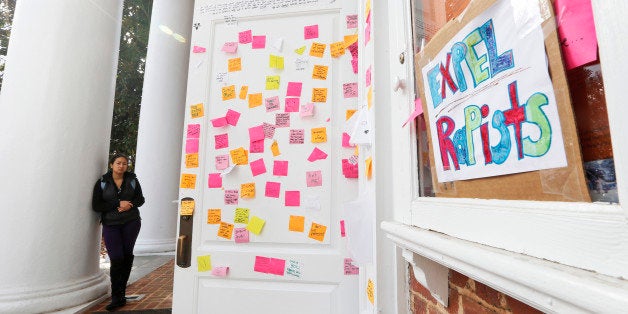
{"x":196,"y":111}
{"x":369,"y":97}
{"x":255,"y":100}
{"x":337,"y":49}
{"x":234,"y":64}
{"x":319,"y":135}
{"x":225,"y":230}
{"x":349,"y":113}
{"x":369,"y":167}
{"x":370,"y":291}
{"x":255,"y":225}
{"x":350,"y":39}
{"x":187,"y":207}
{"x":247,"y":190}
{"x":228,"y":92}
{"x":319,"y":94}
{"x":317,"y":232}
{"x":191,"y":160}
{"x":239,"y":156}
{"x":213,"y":216}
{"x":243,"y":91}
{"x":274,"y":147}
{"x":317,"y":50}
{"x":297,"y":223}
{"x":188,"y":181}
{"x":319,"y":72}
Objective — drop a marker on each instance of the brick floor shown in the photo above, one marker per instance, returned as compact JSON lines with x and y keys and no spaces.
{"x":156,"y":287}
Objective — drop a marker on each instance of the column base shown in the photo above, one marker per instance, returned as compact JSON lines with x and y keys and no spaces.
{"x":154,"y":246}
{"x":54,"y":298}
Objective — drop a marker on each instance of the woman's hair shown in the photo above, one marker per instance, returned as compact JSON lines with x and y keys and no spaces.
{"x":116,"y":156}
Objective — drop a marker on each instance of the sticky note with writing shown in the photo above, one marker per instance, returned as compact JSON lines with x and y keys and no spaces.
{"x":370,"y":291}
{"x":239,"y":156}
{"x":297,"y":136}
{"x":273,"y":189}
{"x":307,"y":110}
{"x":369,"y":167}
{"x":293,"y":198}
{"x":314,"y":178}
{"x":317,"y":50}
{"x":244,"y":90}
{"x":255,"y":100}
{"x":337,"y":49}
{"x":292,"y":105}
{"x":233,"y":65}
{"x":294,"y":89}
{"x":262,"y":264}
{"x":319,"y":72}
{"x":317,"y":154}
{"x":196,"y":111}
{"x":255,"y":225}
{"x":350,"y":90}
{"x":351,"y":269}
{"x":194,"y":131}
{"x":204,"y":263}
{"x":241,"y":235}
{"x":276,"y":62}
{"x":319,"y":94}
{"x":245,"y":37}
{"x":256,"y":146}
{"x":272,"y":103}
{"x":247,"y":190}
{"x":296,"y":223}
{"x":214,"y":180}
{"x":230,"y":47}
{"x":310,"y":32}
{"x":232,"y":117}
{"x":256,"y":133}
{"x":225,"y":230}
{"x":222,"y":162}
{"x":294,"y":269}
{"x":228,"y":92}
{"x":191,"y":160}
{"x":280,"y":168}
{"x":221,"y":140}
{"x":277,"y":266}
{"x":241,"y":216}
{"x":220,"y":271}
{"x":352,"y":21}
{"x":317,"y":232}
{"x":282,"y":120}
{"x":272,"y":82}
{"x":213,"y":216}
{"x":188,"y":181}
{"x":319,"y":135}
{"x":269,"y":130}
{"x":346,"y":139}
{"x":349,"y":170}
{"x":258,"y":167}
{"x":231,"y":197}
{"x":219,"y":122}
{"x":187,"y":207}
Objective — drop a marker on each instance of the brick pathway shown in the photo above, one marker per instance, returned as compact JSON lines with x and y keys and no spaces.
{"x":156,"y":288}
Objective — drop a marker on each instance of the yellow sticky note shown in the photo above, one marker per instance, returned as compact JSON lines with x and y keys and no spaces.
{"x":241,"y":216}
{"x":228,"y":92}
{"x":337,"y":49}
{"x":243,"y":91}
{"x":319,"y":94}
{"x":317,"y":50}
{"x":234,"y":64}
{"x":319,"y":72}
{"x":188,"y":181}
{"x":214,"y":216}
{"x":196,"y":111}
{"x":370,"y":291}
{"x":247,"y":190}
{"x":187,"y":207}
{"x":349,"y":113}
{"x":272,"y":82}
{"x":369,"y":97}
{"x":356,"y":151}
{"x":319,"y":135}
{"x":225,"y":230}
{"x":369,"y":167}
{"x":297,"y":223}
{"x":191,"y":160}
{"x":239,"y":156}
{"x":350,"y":39}
{"x":255,"y":225}
{"x":274,"y":147}
{"x":255,"y":100}
{"x":204,"y":263}
{"x":300,"y":51}
{"x":276,"y":62}
{"x":317,"y":232}
{"x":367,"y":10}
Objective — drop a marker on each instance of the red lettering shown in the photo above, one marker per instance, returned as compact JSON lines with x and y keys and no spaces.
{"x":515,"y":116}
{"x":444,"y":71}
{"x":445,"y":127}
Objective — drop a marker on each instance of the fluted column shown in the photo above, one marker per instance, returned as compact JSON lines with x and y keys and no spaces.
{"x":161,"y":122}
{"x":55,"y":121}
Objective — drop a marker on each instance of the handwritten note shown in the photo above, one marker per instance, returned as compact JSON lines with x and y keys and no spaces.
{"x":204,"y":263}
{"x":239,"y":156}
{"x":282,"y":120}
{"x":317,"y":154}
{"x":272,"y":82}
{"x":576,"y":29}
{"x":350,"y":90}
{"x":221,"y":141}
{"x":274,"y":147}
{"x":256,"y":133}
{"x":191,"y":160}
{"x":232,"y":117}
{"x":297,"y":136}
{"x":280,"y":168}
{"x":198,"y":49}
{"x":317,"y":50}
{"x":244,"y":90}
{"x":247,"y":190}
{"x":307,"y":110}
{"x":241,"y":215}
{"x":187,"y":207}
{"x":196,"y":111}
{"x":241,"y":235}
{"x":349,"y":170}
{"x":194,"y":131}
{"x":259,"y":42}
{"x":370,"y":291}
{"x":292,"y":105}
{"x":214,"y":216}
{"x":231,"y":197}
{"x":337,"y":49}
{"x":230,"y":47}
{"x":214,"y":180}
{"x":314,"y":178}
{"x":255,"y":225}
{"x":296,"y":223}
{"x":228,"y":92}
{"x":319,"y":72}
{"x":351,"y":269}
{"x":310,"y":32}
{"x":256,"y":146}
{"x":272,"y":103}
{"x":317,"y":232}
{"x":258,"y":167}
{"x":293,"y":198}
{"x":245,"y":37}
{"x":188,"y":181}
{"x":269,"y":130}
{"x":222,"y":162}
{"x":255,"y":100}
{"x":319,"y":95}
{"x":352,"y":21}
{"x":294,"y":269}
{"x":272,"y":189}
{"x":225,"y":230}
{"x":319,"y":135}
{"x":219,"y":122}
{"x":233,"y":65}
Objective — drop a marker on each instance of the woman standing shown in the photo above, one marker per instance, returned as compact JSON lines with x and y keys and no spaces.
{"x":117,"y":196}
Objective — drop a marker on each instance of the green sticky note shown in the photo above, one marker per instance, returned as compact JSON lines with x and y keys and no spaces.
{"x":241,"y":216}
{"x":272,"y":82}
{"x":255,"y":225}
{"x":300,"y":50}
{"x":204,"y":263}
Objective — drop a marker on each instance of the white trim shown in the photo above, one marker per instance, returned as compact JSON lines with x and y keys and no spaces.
{"x":548,"y":286}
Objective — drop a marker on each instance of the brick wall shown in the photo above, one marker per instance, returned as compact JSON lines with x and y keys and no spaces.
{"x":465,"y":296}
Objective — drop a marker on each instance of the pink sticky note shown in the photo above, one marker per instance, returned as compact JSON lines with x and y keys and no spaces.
{"x":292,"y":105}
{"x":269,"y":130}
{"x":222,"y":140}
{"x":232,"y":117}
{"x":280,"y":168}
{"x":317,"y":154}
{"x":272,"y":103}
{"x":282,"y":120}
{"x":231,"y":197}
{"x":277,"y":266}
{"x":310,"y":32}
{"x":349,"y":170}
{"x":191,"y":146}
{"x":220,"y":271}
{"x":346,"y":138}
{"x":258,"y":167}
{"x":418,"y":109}
{"x":262,"y":264}
{"x":256,"y":146}
{"x":297,"y":136}
{"x":352,"y":21}
{"x":350,"y":90}
{"x":368,"y":77}
{"x":367,"y":30}
{"x":314,"y":178}
{"x":272,"y":189}
{"x":198,"y":49}
{"x":222,"y":162}
{"x":194,"y":131}
{"x":230,"y":47}
{"x":256,"y":133}
{"x":214,"y":180}
{"x":343,"y":233}
{"x":351,"y":269}
{"x":307,"y":110}
{"x":293,"y":198}
{"x":259,"y":42}
{"x":353,"y":49}
{"x":354,"y":65}
{"x":241,"y":235}
{"x":219,"y":122}
{"x":576,"y":31}
{"x":294,"y":89}
{"x":245,"y":37}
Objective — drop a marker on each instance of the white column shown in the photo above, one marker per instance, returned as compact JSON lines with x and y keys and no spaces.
{"x":160,"y":126}
{"x":55,"y":120}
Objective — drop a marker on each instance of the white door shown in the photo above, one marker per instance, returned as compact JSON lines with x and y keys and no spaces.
{"x":266,"y":205}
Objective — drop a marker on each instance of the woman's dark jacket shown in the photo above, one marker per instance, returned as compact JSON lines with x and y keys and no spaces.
{"x":106,"y":201}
